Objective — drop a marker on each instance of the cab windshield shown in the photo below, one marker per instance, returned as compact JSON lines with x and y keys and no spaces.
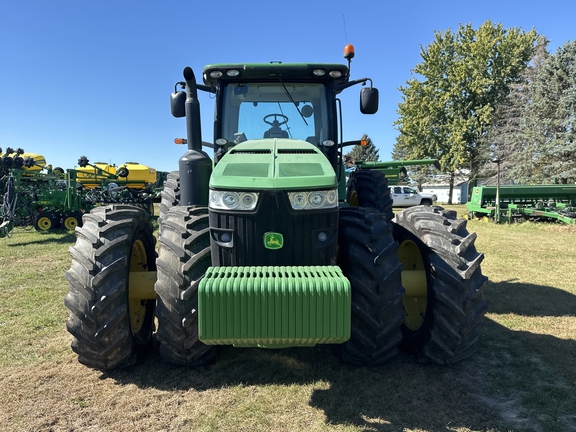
{"x":275,"y":110}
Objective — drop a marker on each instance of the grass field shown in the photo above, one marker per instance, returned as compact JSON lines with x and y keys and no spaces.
{"x":523,"y":378}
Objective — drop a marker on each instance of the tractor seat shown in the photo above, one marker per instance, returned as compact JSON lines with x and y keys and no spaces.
{"x":279,"y":133}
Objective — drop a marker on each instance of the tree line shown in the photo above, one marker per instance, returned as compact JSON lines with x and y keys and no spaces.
{"x":492,"y":94}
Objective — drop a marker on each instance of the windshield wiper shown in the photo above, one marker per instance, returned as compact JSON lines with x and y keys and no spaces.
{"x":293,"y":101}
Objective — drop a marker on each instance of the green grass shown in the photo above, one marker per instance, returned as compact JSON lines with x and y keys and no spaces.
{"x":32,"y":288}
{"x":523,"y":378}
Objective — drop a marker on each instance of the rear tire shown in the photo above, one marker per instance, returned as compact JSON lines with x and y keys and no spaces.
{"x":170,"y":196}
{"x":368,"y":257}
{"x":183,"y":258}
{"x":109,"y":330}
{"x":444,"y":322}
{"x":369,"y":188}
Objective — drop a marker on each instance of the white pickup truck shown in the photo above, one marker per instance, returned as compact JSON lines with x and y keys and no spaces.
{"x":406,"y":196}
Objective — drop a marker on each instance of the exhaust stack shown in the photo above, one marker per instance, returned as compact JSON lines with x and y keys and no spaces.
{"x":195,"y":166}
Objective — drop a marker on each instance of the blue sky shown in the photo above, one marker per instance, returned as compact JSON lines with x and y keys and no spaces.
{"x":93,"y":78}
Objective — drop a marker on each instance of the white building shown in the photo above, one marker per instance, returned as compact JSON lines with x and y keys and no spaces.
{"x":442,"y":190}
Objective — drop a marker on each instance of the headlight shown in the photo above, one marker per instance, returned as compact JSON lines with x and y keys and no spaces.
{"x":229,"y":200}
{"x":313,"y":200}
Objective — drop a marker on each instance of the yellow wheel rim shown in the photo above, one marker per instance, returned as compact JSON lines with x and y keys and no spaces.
{"x":353,"y":199}
{"x":44,"y":223}
{"x":415,"y":283}
{"x":137,"y":308}
{"x":70,"y":223}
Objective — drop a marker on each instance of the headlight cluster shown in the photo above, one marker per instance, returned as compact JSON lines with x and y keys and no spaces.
{"x":313,"y":200}
{"x":229,"y":200}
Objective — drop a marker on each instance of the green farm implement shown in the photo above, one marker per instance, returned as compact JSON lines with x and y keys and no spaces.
{"x":263,"y":245}
{"x":535,"y":202}
{"x":393,"y":170}
{"x":48,"y":199}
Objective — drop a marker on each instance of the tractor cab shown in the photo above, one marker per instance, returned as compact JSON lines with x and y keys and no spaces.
{"x":256,"y":101}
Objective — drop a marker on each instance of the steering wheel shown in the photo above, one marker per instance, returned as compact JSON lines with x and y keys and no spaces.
{"x":276,"y":122}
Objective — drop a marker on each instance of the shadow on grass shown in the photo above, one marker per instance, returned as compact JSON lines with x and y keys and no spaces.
{"x":500,"y":387}
{"x":59,"y":237}
{"x":537,"y":301}
{"x":529,"y":300}
{"x":400,"y":395}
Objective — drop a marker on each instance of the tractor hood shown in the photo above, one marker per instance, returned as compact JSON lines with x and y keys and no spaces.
{"x":273,"y":163}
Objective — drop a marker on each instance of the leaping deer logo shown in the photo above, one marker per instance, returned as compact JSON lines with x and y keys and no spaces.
{"x":273,"y":241}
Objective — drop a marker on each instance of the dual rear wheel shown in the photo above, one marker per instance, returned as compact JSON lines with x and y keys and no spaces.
{"x":441,"y":281}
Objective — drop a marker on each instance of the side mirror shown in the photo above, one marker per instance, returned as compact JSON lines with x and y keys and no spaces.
{"x":369,"y":100}
{"x":178,"y":104}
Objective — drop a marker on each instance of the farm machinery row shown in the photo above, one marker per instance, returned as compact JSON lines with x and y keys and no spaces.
{"x":36,"y":195}
{"x":556,"y":202}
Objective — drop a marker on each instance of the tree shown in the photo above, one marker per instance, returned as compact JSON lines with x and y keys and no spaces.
{"x":448,"y":105}
{"x":399,"y":152}
{"x":549,"y":153}
{"x":369,"y":152}
{"x":507,"y":137}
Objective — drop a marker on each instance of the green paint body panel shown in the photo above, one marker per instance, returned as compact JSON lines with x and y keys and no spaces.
{"x":543,"y":201}
{"x":392,"y":169}
{"x":274,"y":307}
{"x":522,"y":193}
{"x":273,"y":163}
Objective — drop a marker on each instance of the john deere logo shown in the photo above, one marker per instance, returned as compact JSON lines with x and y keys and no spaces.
{"x":273,"y":240}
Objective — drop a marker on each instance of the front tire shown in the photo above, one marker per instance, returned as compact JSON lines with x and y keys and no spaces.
{"x":444,"y":284}
{"x":183,"y":258}
{"x":109,"y":329}
{"x":368,"y":257}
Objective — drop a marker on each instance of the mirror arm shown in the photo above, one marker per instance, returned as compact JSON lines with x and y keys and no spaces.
{"x":205,"y":88}
{"x":349,"y":143}
{"x":340,"y":87}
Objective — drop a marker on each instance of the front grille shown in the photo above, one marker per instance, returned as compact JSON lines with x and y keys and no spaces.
{"x":300,"y":169}
{"x":296,"y":151}
{"x":246,"y":170}
{"x":300,"y":230}
{"x":250,"y":152}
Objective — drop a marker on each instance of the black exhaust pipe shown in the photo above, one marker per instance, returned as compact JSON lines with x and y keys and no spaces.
{"x":195,"y":166}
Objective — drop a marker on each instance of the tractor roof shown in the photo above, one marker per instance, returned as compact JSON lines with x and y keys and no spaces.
{"x":246,"y":72}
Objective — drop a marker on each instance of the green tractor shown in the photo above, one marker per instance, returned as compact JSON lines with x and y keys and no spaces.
{"x":265,"y":246}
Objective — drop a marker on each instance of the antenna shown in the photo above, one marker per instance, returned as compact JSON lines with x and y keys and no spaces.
{"x":345,"y":32}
